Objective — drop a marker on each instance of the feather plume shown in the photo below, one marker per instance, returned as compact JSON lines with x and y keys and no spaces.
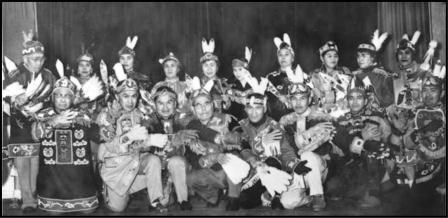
{"x":12,"y":90}
{"x":103,"y":72}
{"x":76,"y":82}
{"x":286,"y":39}
{"x":415,"y":37}
{"x":131,"y":43}
{"x":208,"y":47}
{"x":10,"y":65}
{"x":405,"y":36}
{"x":28,"y":36}
{"x":247,"y":54}
{"x":119,"y":72}
{"x":193,"y":83}
{"x":426,"y":65}
{"x":33,"y":108}
{"x":93,"y":88}
{"x":33,"y":86}
{"x":60,"y":68}
{"x":367,"y":82}
{"x":277,"y":42}
{"x":146,"y":96}
{"x":378,"y":40}
{"x":235,"y":168}
{"x":258,"y":87}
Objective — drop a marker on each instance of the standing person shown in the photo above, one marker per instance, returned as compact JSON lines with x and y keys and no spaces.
{"x":31,"y":75}
{"x":127,"y":58}
{"x":278,"y":79}
{"x":65,"y":182}
{"x":330,"y":81}
{"x":380,"y":79}
{"x":125,"y":167}
{"x":209,"y":66}
{"x":362,"y":134}
{"x":309,"y":131}
{"x":171,"y":68}
{"x":166,"y":120}
{"x":408,"y":80}
{"x":240,"y":87}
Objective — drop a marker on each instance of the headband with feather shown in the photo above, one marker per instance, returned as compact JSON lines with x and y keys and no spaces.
{"x":405,"y":42}
{"x":376,"y":42}
{"x":300,"y":83}
{"x":436,"y":77}
{"x":170,"y":56}
{"x":194,"y":86}
{"x":63,"y":81}
{"x":31,"y":46}
{"x":256,"y":95}
{"x":124,"y":83}
{"x":243,"y":62}
{"x":285,"y":43}
{"x":129,"y":47}
{"x":208,"y":48}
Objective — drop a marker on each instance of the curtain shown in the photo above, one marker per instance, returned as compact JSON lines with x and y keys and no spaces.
{"x":179,"y":27}
{"x":437,"y":15}
{"x":16,"y":17}
{"x":398,"y":18}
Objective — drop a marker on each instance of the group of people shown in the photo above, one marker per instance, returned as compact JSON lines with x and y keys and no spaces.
{"x":283,"y":141}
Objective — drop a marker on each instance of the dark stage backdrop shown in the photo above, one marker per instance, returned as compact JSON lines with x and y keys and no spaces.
{"x":179,"y":27}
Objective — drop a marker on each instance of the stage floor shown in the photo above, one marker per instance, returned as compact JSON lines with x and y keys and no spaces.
{"x":345,"y":207}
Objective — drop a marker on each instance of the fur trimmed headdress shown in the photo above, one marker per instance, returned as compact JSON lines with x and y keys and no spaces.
{"x":129,"y":47}
{"x":208,"y":48}
{"x":31,"y":46}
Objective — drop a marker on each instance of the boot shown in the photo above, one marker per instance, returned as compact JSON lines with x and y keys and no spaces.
{"x":318,"y":203}
{"x":233,"y":204}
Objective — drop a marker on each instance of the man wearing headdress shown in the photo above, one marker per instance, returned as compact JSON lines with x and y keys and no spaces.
{"x":24,"y":107}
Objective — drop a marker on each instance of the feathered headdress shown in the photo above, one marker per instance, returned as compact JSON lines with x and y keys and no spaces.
{"x":358,"y":85}
{"x":123,"y":82}
{"x":376,"y":42}
{"x":63,"y":81}
{"x":406,"y":43}
{"x":300,"y":83}
{"x":129,"y":47}
{"x":85,"y":55}
{"x":436,"y":77}
{"x":194,"y":86}
{"x":170,"y":56}
{"x":328,"y":46}
{"x":426,"y":65}
{"x":256,"y":94}
{"x":243,"y":62}
{"x":283,"y":44}
{"x":208,"y":48}
{"x":31,"y":46}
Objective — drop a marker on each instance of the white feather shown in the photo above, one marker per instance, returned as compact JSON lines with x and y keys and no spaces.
{"x":405,"y":36}
{"x":415,"y":37}
{"x":128,"y":41}
{"x":193,"y":83}
{"x":60,"y":68}
{"x":277,"y":42}
{"x":34,"y":108}
{"x":10,"y":65}
{"x":28,"y":36}
{"x":439,"y":70}
{"x":12,"y":90}
{"x":204,"y":45}
{"x":103,"y":72}
{"x":426,"y":65}
{"x":33,"y":86}
{"x":212,"y":45}
{"x":258,"y":87}
{"x":209,"y":85}
{"x":119,"y":72}
{"x":235,"y":168}
{"x":378,"y":40}
{"x":161,"y":61}
{"x":247,"y":54}
{"x":93,"y":88}
{"x":134,"y":42}
{"x":286,"y":39}
{"x":367,"y":82}
{"x":76,"y":82}
{"x":352,"y":83}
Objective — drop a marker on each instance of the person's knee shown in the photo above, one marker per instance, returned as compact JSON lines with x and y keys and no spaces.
{"x":152,"y":162}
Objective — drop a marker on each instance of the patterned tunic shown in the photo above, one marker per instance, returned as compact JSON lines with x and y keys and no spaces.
{"x":280,"y":82}
{"x":65,"y":182}
{"x":407,"y":86}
